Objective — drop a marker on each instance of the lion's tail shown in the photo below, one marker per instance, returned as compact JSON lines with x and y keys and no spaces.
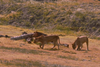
{"x":87,"y":44}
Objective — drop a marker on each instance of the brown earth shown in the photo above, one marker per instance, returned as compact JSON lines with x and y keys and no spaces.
{"x":21,"y":54}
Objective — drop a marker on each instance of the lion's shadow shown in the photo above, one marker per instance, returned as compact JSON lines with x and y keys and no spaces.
{"x":83,"y":50}
{"x":52,"y":49}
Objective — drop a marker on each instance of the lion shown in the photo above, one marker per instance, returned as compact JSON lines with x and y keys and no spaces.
{"x":46,"y":39}
{"x":37,"y":34}
{"x":29,"y":39}
{"x":79,"y":42}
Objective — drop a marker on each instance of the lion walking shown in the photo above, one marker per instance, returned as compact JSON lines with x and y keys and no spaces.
{"x":45,"y":39}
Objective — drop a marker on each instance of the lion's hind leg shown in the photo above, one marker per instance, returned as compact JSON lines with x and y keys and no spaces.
{"x":87,"y":44}
{"x":58,"y":46}
{"x":42,"y":46}
{"x":82,"y":46}
{"x":54,"y":45}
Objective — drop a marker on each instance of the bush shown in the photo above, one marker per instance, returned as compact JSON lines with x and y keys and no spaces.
{"x":3,"y":19}
{"x":94,"y":28}
{"x":60,"y":27}
{"x":81,"y":16}
{"x":69,"y":12}
{"x":27,"y":24}
{"x":13,"y":7}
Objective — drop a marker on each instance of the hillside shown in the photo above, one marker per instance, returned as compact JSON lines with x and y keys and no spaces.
{"x":74,"y":15}
{"x":21,"y":54}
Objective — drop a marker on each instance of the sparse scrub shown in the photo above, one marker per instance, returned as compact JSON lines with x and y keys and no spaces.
{"x":93,"y":28}
{"x":60,"y":27}
{"x":13,"y":7}
{"x":2,"y":19}
{"x":27,"y":24}
{"x":69,"y":12}
{"x":81,"y":16}
{"x":50,"y":13}
{"x":46,"y":13}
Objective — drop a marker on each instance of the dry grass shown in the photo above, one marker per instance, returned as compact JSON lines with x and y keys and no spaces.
{"x":21,"y":54}
{"x":14,"y":31}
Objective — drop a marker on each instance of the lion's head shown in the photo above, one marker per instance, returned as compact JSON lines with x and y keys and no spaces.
{"x":73,"y":46}
{"x":37,"y":39}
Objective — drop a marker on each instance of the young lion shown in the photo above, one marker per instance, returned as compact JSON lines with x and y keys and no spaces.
{"x":79,"y":42}
{"x":46,"y":39}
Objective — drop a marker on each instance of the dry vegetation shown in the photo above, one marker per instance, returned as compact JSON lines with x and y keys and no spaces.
{"x":70,"y":18}
{"x":21,"y":54}
{"x":74,"y":15}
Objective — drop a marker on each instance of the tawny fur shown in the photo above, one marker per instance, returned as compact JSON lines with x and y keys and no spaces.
{"x":79,"y":42}
{"x":45,"y":39}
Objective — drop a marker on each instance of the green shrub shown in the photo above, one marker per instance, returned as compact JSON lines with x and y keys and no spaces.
{"x":78,"y":14}
{"x":47,"y":19}
{"x":99,"y":30}
{"x":60,"y":27}
{"x":63,"y":8}
{"x":81,"y":28}
{"x":3,"y":19}
{"x":60,"y":19}
{"x":1,"y":23}
{"x":13,"y":7}
{"x":46,"y":13}
{"x":69,"y":12}
{"x":94,"y":28}
{"x":27,"y":24}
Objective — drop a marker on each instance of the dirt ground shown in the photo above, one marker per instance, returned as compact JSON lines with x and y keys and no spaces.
{"x":21,"y":54}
